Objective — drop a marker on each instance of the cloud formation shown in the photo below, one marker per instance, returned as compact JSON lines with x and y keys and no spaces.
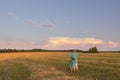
{"x":69,"y":43}
{"x":61,"y":43}
{"x":82,"y":41}
{"x":78,"y":43}
{"x":45,"y":23}
{"x":13,"y":15}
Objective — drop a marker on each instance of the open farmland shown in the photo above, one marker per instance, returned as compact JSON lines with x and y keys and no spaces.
{"x":55,"y":66}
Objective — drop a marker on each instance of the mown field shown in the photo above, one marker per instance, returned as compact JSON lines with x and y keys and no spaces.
{"x":55,"y":66}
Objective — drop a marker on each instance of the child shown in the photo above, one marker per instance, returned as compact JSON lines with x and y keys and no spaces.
{"x":74,"y":62}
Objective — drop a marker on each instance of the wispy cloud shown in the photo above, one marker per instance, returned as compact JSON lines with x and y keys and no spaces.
{"x":46,"y":23}
{"x":42,"y":24}
{"x":13,"y":15}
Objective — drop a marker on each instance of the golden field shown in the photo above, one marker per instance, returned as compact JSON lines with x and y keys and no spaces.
{"x":55,"y":66}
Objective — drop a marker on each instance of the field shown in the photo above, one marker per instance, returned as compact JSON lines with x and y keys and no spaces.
{"x":55,"y":66}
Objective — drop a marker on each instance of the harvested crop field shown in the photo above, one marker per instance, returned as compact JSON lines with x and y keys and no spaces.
{"x":55,"y":66}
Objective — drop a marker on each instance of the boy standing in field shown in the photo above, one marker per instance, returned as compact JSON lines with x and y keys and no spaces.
{"x":74,"y":62}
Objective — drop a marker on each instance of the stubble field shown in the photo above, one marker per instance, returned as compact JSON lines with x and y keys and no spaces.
{"x":55,"y":66}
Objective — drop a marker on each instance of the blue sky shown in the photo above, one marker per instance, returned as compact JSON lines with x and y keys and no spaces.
{"x":60,"y":24}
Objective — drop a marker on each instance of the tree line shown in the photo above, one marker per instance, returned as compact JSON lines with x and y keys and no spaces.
{"x":34,"y":50}
{"x":90,"y":50}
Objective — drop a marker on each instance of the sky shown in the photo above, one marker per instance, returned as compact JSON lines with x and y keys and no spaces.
{"x":60,"y":24}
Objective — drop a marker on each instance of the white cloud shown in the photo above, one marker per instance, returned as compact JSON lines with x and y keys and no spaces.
{"x":112,"y":44}
{"x":78,"y":43}
{"x":13,"y":15}
{"x":60,"y":43}
{"x":66,"y":42}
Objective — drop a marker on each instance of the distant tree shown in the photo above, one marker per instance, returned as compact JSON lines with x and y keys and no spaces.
{"x":93,"y":50}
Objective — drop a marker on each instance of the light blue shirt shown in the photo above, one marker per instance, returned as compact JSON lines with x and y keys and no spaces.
{"x":75,"y":56}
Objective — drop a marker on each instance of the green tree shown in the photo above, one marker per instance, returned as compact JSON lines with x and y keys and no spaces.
{"x":93,"y":50}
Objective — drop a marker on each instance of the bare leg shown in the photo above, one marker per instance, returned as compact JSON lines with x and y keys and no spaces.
{"x":76,"y":67}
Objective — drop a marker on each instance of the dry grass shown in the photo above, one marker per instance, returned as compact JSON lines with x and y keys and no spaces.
{"x":53,"y":65}
{"x":38,"y":71}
